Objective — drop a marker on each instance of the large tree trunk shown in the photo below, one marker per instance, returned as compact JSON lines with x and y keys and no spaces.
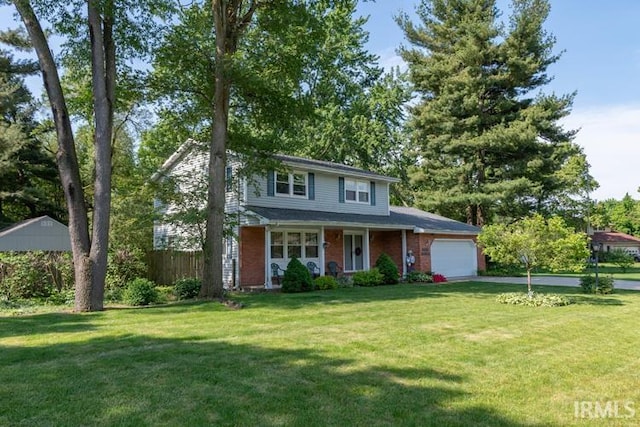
{"x":89,"y":256}
{"x":66,"y":159}
{"x":103,"y":82}
{"x":231,"y":17}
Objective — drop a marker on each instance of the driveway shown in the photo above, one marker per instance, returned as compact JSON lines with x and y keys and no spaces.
{"x":555,"y":281}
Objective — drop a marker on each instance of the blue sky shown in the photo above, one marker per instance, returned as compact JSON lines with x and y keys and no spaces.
{"x":601,"y":61}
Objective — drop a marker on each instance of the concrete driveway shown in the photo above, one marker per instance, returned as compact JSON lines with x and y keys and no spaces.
{"x":555,"y":281}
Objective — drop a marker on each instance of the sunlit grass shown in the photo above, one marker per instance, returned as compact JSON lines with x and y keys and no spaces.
{"x":395,"y":355}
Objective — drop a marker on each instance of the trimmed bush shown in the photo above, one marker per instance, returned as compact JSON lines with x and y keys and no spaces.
{"x":187,"y":288}
{"x":297,"y":277}
{"x":588,"y":284}
{"x":325,"y":282}
{"x":535,"y":300}
{"x":388,"y":268}
{"x":372,"y":277}
{"x":418,"y":277}
{"x":140,"y":292}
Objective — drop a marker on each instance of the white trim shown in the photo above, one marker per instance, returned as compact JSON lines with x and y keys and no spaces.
{"x":267,"y":266}
{"x":357,"y":191}
{"x":365,"y":244}
{"x":367,"y":262}
{"x":404,"y":253}
{"x":291,"y":184}
{"x":321,"y":249}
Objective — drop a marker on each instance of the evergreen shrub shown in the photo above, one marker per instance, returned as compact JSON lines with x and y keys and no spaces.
{"x":297,"y":277}
{"x":388,"y":268}
{"x":588,"y":284}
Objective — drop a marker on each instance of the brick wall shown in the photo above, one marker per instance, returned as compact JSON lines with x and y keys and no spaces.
{"x":252,"y":256}
{"x":421,"y":246}
{"x":389,"y":242}
{"x":335,"y":250}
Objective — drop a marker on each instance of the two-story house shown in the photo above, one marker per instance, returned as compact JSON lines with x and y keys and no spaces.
{"x":321,"y":211}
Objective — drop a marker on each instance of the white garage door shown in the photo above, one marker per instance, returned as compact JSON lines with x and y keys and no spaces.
{"x":454,"y":258}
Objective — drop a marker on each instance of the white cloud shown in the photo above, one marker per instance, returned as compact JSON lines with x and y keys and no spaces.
{"x":610,"y":136}
{"x":389,"y":59}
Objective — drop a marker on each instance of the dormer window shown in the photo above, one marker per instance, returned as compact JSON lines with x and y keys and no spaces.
{"x":292,"y":184}
{"x":356,"y":191}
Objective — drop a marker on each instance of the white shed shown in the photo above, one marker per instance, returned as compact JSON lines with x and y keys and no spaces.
{"x":36,"y":234}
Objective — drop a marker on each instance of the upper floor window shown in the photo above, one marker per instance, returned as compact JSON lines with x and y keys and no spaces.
{"x":356,"y":191}
{"x":292,"y":184}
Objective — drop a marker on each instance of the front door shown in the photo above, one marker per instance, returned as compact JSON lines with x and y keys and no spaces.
{"x":353,"y":252}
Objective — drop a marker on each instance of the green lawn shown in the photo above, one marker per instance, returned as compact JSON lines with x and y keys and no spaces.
{"x":397,"y":355}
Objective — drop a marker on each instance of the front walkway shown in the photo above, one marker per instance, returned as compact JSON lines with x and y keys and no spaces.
{"x":554,"y":281}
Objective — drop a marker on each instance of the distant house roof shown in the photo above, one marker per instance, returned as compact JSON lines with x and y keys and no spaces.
{"x":614,"y":237}
{"x":319,"y":165}
{"x":399,"y":218}
{"x":36,"y":234}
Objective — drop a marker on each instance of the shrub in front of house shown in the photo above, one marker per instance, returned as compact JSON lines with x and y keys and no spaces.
{"x":388,"y":268}
{"x":187,"y":288}
{"x":325,"y":282}
{"x":297,"y":277}
{"x":372,"y":277}
{"x":418,"y":277}
{"x":439,"y":278}
{"x":140,"y":292}
{"x":588,"y":284}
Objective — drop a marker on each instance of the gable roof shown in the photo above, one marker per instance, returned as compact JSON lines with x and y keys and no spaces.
{"x":292,"y":161}
{"x":43,"y":233}
{"x":614,"y":237}
{"x":400,"y":218}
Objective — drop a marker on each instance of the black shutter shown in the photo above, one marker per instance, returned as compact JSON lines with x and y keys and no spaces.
{"x":270,"y":183}
{"x":312,"y":186}
{"x":372,"y":196}
{"x":341,"y":190}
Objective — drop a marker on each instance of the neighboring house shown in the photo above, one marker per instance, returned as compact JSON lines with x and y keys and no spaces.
{"x":318,"y":212}
{"x":36,"y":234}
{"x":612,"y":240}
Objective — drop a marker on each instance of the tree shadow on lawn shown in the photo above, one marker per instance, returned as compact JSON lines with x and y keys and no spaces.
{"x":45,"y":323}
{"x":142,"y":380}
{"x":354,"y":295}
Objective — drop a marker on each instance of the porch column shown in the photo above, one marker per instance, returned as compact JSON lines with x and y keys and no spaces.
{"x":321,"y":250}
{"x":404,"y":253}
{"x":267,"y":258}
{"x":367,"y":261}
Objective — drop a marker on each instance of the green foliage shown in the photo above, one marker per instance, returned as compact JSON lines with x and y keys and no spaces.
{"x":372,"y":277}
{"x":490,"y":143}
{"x":388,"y":268}
{"x":187,"y":288}
{"x":325,"y":282}
{"x":140,"y":292}
{"x":65,"y":297}
{"x":34,"y":274}
{"x":418,"y":277}
{"x":588,"y":284}
{"x":535,"y":300}
{"x":297,"y":277}
{"x":123,"y":265}
{"x":621,"y":258}
{"x":535,"y":243}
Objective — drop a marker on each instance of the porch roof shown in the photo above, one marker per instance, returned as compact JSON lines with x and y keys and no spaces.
{"x":400,"y":218}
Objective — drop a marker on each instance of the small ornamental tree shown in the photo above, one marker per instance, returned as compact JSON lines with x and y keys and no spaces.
{"x":535,"y":242}
{"x":388,"y":268}
{"x":297,"y":277}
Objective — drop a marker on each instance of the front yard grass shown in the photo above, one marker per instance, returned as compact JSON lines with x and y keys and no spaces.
{"x":631,"y":273}
{"x":445,"y":355}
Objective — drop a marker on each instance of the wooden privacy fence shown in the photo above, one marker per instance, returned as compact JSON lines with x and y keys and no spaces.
{"x":165,"y":267}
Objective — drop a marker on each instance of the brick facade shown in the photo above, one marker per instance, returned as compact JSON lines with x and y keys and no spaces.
{"x":252,"y":256}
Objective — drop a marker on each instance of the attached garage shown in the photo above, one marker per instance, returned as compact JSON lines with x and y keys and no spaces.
{"x":454,"y":257}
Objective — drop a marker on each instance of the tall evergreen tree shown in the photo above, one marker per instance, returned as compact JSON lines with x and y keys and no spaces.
{"x":29,"y":184}
{"x":487,"y":142}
